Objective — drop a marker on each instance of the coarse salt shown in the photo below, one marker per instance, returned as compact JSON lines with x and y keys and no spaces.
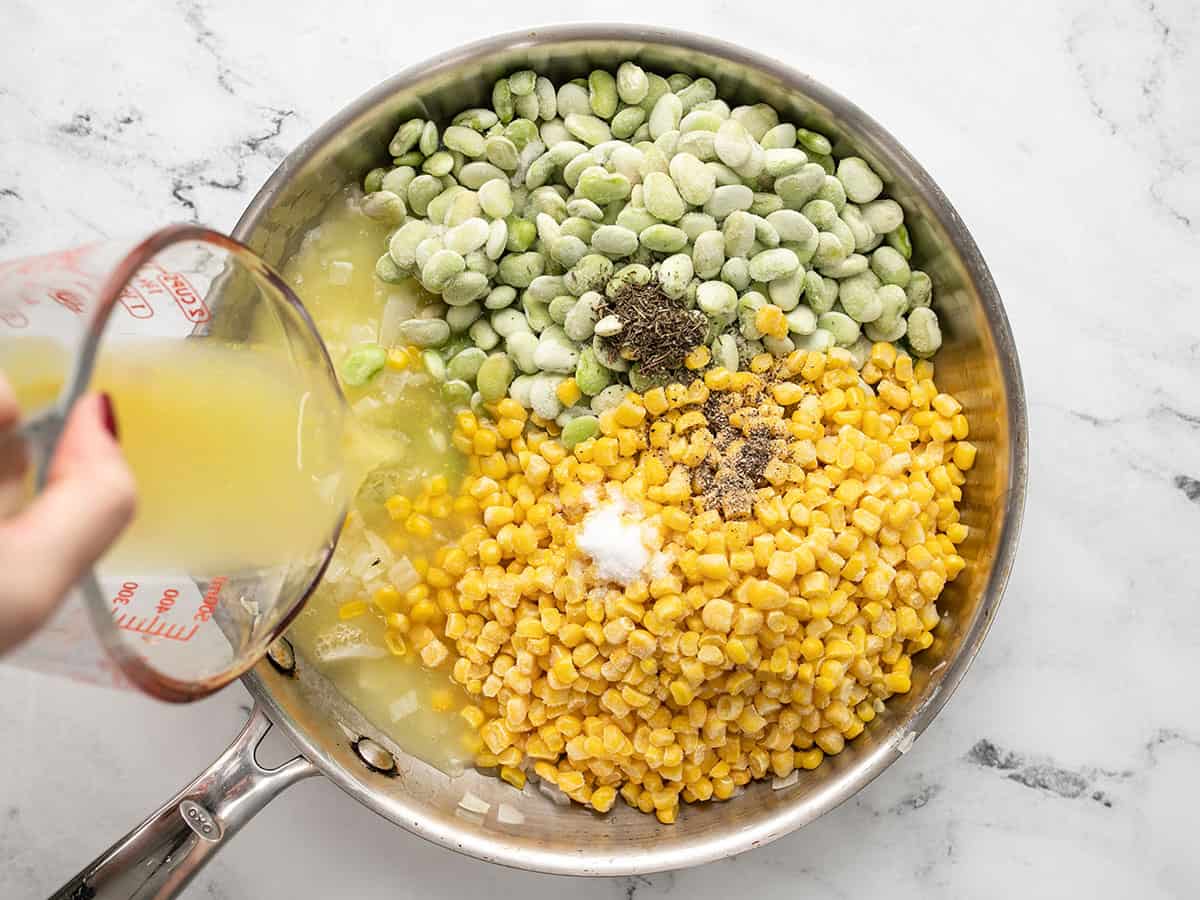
{"x":660,"y":564}
{"x":614,"y":544}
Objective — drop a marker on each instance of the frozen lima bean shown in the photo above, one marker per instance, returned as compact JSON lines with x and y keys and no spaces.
{"x":529,"y":218}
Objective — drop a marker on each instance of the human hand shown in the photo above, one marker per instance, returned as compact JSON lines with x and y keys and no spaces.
{"x":88,"y":500}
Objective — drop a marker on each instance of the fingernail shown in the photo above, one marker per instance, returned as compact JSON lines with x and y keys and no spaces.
{"x":108,"y":416}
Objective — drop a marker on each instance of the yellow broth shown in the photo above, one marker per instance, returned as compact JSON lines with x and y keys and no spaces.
{"x":341,"y":630}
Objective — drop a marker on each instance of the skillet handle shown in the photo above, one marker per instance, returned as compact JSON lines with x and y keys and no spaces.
{"x":158,"y":859}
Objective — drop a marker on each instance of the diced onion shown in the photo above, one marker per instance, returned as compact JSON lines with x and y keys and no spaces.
{"x":473,"y":804}
{"x":406,"y":705}
{"x":787,"y":781}
{"x":340,"y":272}
{"x":399,"y":308}
{"x":403,"y":575}
{"x":380,"y":548}
{"x":366,"y":406}
{"x":343,"y":652}
{"x":554,"y":792}
{"x":362,"y":333}
{"x":509,"y":815}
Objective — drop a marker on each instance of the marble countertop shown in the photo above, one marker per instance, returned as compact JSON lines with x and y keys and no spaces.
{"x":1066,"y":133}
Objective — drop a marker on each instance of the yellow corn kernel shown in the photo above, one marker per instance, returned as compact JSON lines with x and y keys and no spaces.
{"x":762,"y":362}
{"x":398,"y":358}
{"x":883,"y":354}
{"x":603,"y":797}
{"x":605,"y":451}
{"x":513,"y":776}
{"x":629,"y":414}
{"x":655,"y":401}
{"x":714,"y":566}
{"x":484,"y":441}
{"x":809,"y":759}
{"x":570,"y":780}
{"x":473,"y":715}
{"x":400,"y":507}
{"x":865,"y":520}
{"x":419,"y":525}
{"x":723,"y":788}
{"x":765,"y":595}
{"x":568,"y":392}
{"x":496,"y":517}
{"x":903,"y":368}
{"x":815,"y":585}
{"x":787,"y":393}
{"x":737,"y":652}
{"x":395,"y":643}
{"x":509,"y":408}
{"x":352,"y":609}
{"x":564,"y":671}
{"x":718,"y":378}
{"x":782,"y":566}
{"x":697,"y":358}
{"x":897,"y":682}
{"x":510,"y":428}
{"x":386,"y":599}
{"x":769,"y":321}
{"x":893,"y":395}
{"x":941,"y":430}
{"x":964,"y":455}
{"x":676,"y":395}
{"x":946,"y":405}
{"x":930,"y":583}
{"x":424,"y":611}
{"x":960,"y":427}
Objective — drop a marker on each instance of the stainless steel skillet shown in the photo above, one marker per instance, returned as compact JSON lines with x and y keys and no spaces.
{"x":978,"y":363}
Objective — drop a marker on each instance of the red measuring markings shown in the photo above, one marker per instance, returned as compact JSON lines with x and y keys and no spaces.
{"x":135,"y":304}
{"x":125,"y":594}
{"x":154,"y":282}
{"x":190,"y":302}
{"x":205,"y":610}
{"x":166,"y":601}
{"x":156,"y":627}
{"x":69,"y":299}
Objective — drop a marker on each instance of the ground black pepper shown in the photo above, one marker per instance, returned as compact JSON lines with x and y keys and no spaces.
{"x":733,"y":470}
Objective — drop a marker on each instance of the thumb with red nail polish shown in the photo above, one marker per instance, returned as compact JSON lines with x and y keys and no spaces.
{"x":108,"y":416}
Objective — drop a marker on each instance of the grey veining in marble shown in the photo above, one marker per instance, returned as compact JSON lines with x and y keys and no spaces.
{"x":1066,"y":132}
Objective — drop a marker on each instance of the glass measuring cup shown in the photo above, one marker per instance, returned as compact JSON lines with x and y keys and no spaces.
{"x":206,"y":350}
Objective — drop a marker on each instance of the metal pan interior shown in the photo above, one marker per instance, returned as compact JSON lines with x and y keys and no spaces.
{"x":978,"y":363}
